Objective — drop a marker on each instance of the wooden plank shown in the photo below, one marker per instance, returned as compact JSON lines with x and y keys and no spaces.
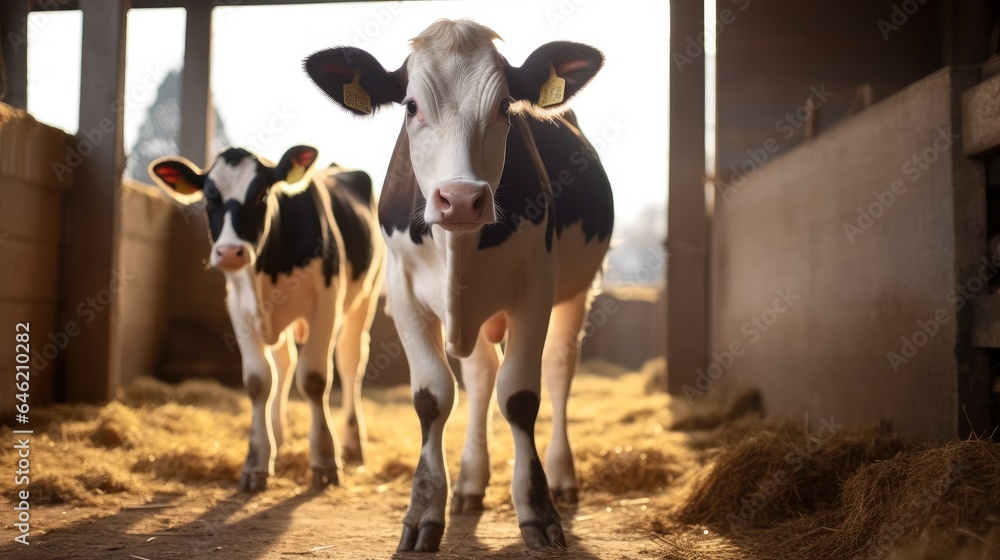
{"x":981,"y":118}
{"x":94,"y":219}
{"x":13,"y":18}
{"x":986,"y":321}
{"x":687,"y":224}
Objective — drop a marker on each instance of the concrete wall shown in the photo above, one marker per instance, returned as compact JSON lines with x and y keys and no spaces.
{"x":30,"y":247}
{"x":145,"y":257}
{"x":859,"y":286}
{"x":771,"y":56}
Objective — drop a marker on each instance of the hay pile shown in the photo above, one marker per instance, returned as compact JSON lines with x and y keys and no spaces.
{"x":855,"y":492}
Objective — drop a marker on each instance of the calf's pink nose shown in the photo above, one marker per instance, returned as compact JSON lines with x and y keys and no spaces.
{"x":231,"y":257}
{"x":461,"y":203}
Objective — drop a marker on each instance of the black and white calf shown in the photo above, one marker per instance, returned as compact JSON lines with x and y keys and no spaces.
{"x":481,"y":242}
{"x":302,"y":256}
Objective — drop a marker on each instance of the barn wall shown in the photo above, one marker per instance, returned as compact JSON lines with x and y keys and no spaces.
{"x":835,"y":295}
{"x":145,"y":256}
{"x":30,"y":247}
{"x":774,"y":55}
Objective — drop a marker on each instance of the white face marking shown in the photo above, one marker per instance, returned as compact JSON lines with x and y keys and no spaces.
{"x":458,"y":133}
{"x":232,"y":181}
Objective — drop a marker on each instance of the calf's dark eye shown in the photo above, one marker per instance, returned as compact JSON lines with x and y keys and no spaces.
{"x":505,"y":107}
{"x":411,"y":108}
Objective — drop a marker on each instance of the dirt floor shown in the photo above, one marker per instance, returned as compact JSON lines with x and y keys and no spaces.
{"x":153,"y":476}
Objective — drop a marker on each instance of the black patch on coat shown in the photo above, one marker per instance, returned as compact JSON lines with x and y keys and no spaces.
{"x":233,"y":156}
{"x":251,"y":464}
{"x":345,"y":192}
{"x":401,"y":204}
{"x":358,"y":184}
{"x":426,"y":405}
{"x":522,"y":410}
{"x":255,"y":388}
{"x":538,"y":487}
{"x":314,"y":387}
{"x":523,"y":190}
{"x":576,"y":178}
{"x":299,"y":232}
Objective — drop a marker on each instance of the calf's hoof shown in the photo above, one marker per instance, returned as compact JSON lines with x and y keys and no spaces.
{"x":424,"y":537}
{"x":324,"y":477}
{"x":466,"y":504}
{"x":565,"y":497}
{"x":253,"y":481}
{"x":543,"y":534}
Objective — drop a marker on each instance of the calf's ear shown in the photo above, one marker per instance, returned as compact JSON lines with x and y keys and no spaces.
{"x":179,"y":178}
{"x":572,"y":63}
{"x":295,"y":163}
{"x":355,"y":80}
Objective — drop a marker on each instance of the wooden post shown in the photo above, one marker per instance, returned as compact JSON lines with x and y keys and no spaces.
{"x":13,"y":17}
{"x":197,"y":113}
{"x":687,"y":226}
{"x":93,"y":279}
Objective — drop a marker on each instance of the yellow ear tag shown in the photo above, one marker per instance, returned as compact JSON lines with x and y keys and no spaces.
{"x":184,"y":187}
{"x":553,"y":90}
{"x":295,"y":174}
{"x":356,"y":97}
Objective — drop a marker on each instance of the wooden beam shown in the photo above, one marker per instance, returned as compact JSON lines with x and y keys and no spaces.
{"x":197,"y":112}
{"x":687,"y":225}
{"x":38,"y":5}
{"x":93,"y":278}
{"x":13,"y":18}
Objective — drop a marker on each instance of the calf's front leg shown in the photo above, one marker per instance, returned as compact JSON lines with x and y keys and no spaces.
{"x":433,"y":386}
{"x":260,"y":385}
{"x":518,"y":389}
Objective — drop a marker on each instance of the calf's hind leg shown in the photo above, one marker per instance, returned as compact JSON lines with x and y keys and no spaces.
{"x":559,"y":362}
{"x":479,"y":374}
{"x":314,"y":377}
{"x":284,"y":355}
{"x":352,"y":359}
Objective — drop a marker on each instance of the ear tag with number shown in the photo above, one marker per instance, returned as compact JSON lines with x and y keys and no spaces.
{"x":356,"y":97}
{"x":553,"y":90}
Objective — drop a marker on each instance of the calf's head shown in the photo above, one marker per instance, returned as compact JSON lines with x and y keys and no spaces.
{"x":234,"y":193}
{"x":459,"y":94}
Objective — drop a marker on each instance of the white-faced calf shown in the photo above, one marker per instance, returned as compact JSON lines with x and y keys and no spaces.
{"x":302,"y":256}
{"x":497,"y":224}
